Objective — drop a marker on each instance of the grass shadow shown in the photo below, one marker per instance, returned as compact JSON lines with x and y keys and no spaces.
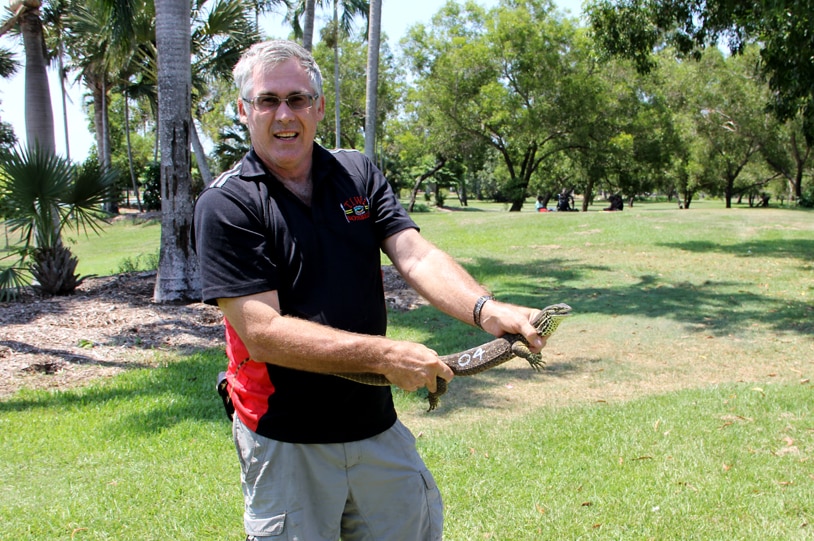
{"x":802,"y":249}
{"x":719,"y":307}
{"x":142,"y":401}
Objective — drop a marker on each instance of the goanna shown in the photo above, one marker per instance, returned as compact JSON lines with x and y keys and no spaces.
{"x":478,"y":359}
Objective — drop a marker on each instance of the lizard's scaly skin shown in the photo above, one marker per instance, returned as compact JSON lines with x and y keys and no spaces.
{"x":476,"y":360}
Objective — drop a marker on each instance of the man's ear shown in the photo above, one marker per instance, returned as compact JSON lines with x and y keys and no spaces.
{"x":320,"y":108}
{"x":241,"y":111}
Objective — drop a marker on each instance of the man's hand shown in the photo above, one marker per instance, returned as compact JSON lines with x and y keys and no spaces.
{"x":499,"y":318}
{"x":411,"y":366}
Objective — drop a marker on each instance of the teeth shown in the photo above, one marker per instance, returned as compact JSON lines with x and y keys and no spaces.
{"x":286,"y":135}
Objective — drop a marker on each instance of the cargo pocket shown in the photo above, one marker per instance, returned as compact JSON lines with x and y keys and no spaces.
{"x":435,"y":507}
{"x":266,"y":527}
{"x":283,"y":527}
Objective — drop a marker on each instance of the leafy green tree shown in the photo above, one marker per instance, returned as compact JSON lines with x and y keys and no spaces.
{"x":38,"y":190}
{"x":789,"y":153}
{"x":782,"y":28}
{"x":8,"y":67}
{"x":624,"y":137}
{"x":513,"y":77}
{"x":730,"y":118}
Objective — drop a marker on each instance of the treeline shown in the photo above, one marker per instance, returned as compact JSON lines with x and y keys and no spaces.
{"x":503,"y":104}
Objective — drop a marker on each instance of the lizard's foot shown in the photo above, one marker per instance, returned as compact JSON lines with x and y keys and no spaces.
{"x":536,"y":361}
{"x":435,"y":398}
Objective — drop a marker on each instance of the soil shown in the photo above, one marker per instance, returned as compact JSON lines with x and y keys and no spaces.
{"x":110,"y":324}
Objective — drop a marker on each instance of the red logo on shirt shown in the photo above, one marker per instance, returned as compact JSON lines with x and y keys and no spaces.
{"x":356,"y":208}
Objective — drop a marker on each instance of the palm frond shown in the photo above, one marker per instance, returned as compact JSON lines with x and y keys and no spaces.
{"x":12,"y":281}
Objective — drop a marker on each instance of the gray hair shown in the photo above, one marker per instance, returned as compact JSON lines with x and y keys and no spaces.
{"x":267,"y":55}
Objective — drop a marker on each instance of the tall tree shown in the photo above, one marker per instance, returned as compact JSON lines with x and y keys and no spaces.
{"x":340,"y":26}
{"x":730,"y":117}
{"x":789,"y":154}
{"x":54,"y":15}
{"x":39,"y":116}
{"x":371,"y":94}
{"x":178,"y":279}
{"x":352,"y":80}
{"x":308,"y":27}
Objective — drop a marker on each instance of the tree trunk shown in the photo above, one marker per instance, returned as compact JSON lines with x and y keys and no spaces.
{"x":371,"y":99}
{"x":588,"y":196}
{"x":200,"y":155}
{"x":178,"y":279}
{"x":133,"y":180}
{"x":63,"y":94}
{"x":337,"y":120}
{"x":729,"y":192}
{"x":308,"y":26}
{"x":414,"y":192}
{"x":39,"y":116}
{"x":111,"y":206}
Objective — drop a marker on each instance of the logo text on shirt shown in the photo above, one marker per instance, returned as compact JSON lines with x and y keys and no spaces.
{"x":356,"y":208}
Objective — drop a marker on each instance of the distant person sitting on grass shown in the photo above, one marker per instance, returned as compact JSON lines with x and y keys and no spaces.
{"x":565,"y":201}
{"x":616,"y":203}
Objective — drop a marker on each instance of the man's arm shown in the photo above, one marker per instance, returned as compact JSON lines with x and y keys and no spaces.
{"x":448,"y":287}
{"x":296,"y":343}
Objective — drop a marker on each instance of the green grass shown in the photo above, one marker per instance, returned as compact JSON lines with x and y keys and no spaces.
{"x":124,"y":246}
{"x":677,"y":404}
{"x":148,"y":456}
{"x":145,"y":456}
{"x":722,"y":463}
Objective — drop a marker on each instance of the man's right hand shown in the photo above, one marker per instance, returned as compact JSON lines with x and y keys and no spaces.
{"x":412,"y":366}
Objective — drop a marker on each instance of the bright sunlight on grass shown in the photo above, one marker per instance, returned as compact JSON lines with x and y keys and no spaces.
{"x":676,"y":404}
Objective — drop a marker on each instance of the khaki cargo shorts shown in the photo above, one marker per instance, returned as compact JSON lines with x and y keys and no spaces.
{"x":376,"y":489}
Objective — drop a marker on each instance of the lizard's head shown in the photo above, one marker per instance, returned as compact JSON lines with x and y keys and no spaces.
{"x":550,"y":317}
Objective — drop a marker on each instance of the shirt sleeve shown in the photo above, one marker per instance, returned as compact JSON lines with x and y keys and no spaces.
{"x":390,"y":216}
{"x":231,"y":243}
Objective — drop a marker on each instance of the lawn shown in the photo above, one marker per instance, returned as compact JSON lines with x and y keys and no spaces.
{"x":676,"y":405}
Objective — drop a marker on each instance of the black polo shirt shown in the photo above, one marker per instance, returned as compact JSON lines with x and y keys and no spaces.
{"x":253,"y":235}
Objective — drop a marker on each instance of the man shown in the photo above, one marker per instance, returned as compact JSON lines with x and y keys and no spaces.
{"x":289,"y":243}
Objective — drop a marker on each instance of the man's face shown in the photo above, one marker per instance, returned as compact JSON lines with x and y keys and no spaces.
{"x":283,"y":138}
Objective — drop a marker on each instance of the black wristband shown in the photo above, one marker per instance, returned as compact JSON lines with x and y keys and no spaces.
{"x":478,"y":307}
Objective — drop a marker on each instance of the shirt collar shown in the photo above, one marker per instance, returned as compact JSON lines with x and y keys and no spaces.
{"x":254,"y":169}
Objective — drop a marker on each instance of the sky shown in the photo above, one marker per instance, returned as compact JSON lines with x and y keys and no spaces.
{"x":397,"y":17}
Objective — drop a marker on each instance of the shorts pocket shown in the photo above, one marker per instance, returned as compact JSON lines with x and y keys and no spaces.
{"x":283,"y":527}
{"x":265,"y":527}
{"x":435,"y":507}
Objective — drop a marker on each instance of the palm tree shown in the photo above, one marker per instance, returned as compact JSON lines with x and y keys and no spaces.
{"x":308,"y":27}
{"x":178,"y":278}
{"x":39,"y":189}
{"x":344,"y":24}
{"x":54,"y":14}
{"x":371,"y":101}
{"x":39,"y":117}
{"x":8,"y":67}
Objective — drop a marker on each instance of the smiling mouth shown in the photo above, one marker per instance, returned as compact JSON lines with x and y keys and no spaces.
{"x":286,"y":135}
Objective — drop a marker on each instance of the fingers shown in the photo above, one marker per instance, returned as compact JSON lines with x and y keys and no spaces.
{"x":536,"y":342}
{"x":444,"y":373}
{"x":500,"y":318}
{"x":427,"y":376}
{"x":418,"y":367}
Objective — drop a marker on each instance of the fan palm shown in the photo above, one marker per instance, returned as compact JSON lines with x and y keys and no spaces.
{"x":40,"y":195}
